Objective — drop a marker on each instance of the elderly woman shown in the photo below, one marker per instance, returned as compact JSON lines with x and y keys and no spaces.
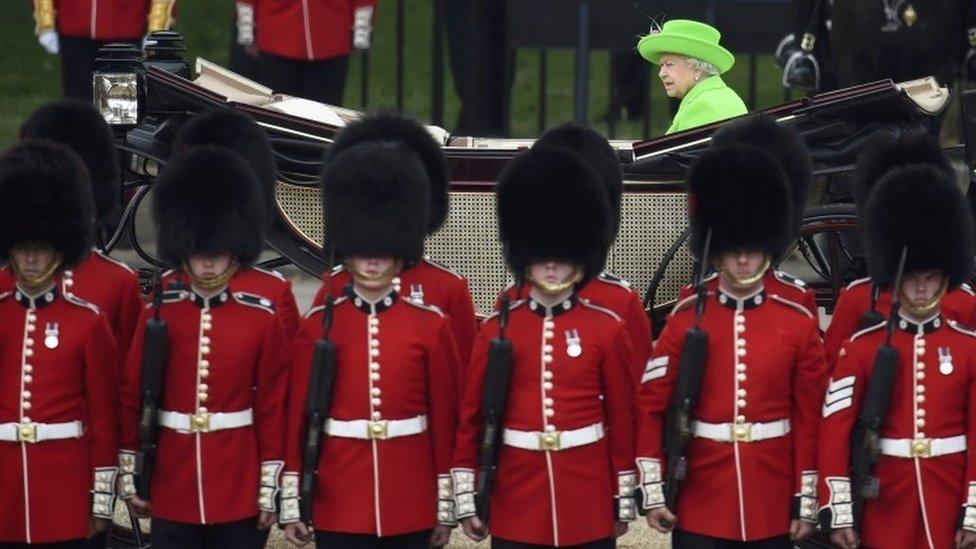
{"x":691,"y":61}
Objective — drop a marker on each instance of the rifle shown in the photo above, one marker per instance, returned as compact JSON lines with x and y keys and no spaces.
{"x":153,"y":377}
{"x":318,"y":400}
{"x":678,"y":422}
{"x":494,"y":399}
{"x":871,"y":317}
{"x":865,"y":444}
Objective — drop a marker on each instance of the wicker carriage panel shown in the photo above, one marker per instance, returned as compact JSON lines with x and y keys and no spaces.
{"x":468,"y":242}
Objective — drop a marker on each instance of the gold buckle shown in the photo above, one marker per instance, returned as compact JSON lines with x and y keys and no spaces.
{"x":549,"y":441}
{"x":27,"y":432}
{"x":200,"y":423}
{"x":921,"y":447}
{"x":376,"y":430}
{"x":742,"y":432}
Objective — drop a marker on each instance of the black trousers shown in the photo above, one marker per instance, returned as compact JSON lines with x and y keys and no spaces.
{"x":241,"y":534}
{"x":498,"y":543}
{"x":323,"y":81}
{"x":340,"y":540}
{"x":100,"y":541}
{"x":686,"y":540}
{"x":78,"y":63}
{"x":72,"y":544}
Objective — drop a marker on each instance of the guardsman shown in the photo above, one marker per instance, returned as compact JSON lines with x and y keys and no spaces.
{"x":78,"y":28}
{"x":235,"y":131}
{"x":787,"y":147}
{"x":304,"y":47}
{"x":925,"y":475}
{"x":383,"y":475}
{"x":863,"y":296}
{"x":58,"y":402}
{"x":751,"y":461}
{"x":221,"y":443}
{"x":421,"y":279}
{"x":605,"y":289}
{"x":565,"y":472}
{"x":99,"y":279}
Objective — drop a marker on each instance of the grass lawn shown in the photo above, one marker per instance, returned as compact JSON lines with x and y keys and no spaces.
{"x":30,"y":77}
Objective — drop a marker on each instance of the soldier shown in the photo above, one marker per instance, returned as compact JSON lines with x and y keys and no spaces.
{"x":220,"y":447}
{"x":239,"y":133}
{"x":77,"y":29}
{"x":383,"y":475}
{"x":58,"y":414}
{"x":421,"y":279}
{"x":863,"y":302}
{"x":564,"y":468}
{"x":926,"y":482}
{"x":751,"y":459}
{"x":606,"y":289}
{"x":788,"y":148}
{"x":105,"y":282}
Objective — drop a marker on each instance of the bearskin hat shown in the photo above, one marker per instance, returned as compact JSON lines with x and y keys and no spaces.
{"x":236,"y":131}
{"x":552,"y":204}
{"x":376,"y":200}
{"x":400,"y":129}
{"x":78,"y":125}
{"x":207,"y":200}
{"x":921,"y":207}
{"x":742,"y":193}
{"x":595,"y":149}
{"x":784,"y":144}
{"x":45,"y":196}
{"x":888,"y":151}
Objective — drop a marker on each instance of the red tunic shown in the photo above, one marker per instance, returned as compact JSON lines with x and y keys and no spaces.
{"x":112,"y":287}
{"x":431,"y":283}
{"x":855,"y":300}
{"x":566,"y":496}
{"x":765,"y":363}
{"x":395,"y":361}
{"x":310,"y":30}
{"x":102,"y":20}
{"x":934,"y":396}
{"x":226,"y":354}
{"x":57,"y":365}
{"x":776,"y":282}
{"x":614,"y":293}
{"x":270,"y":285}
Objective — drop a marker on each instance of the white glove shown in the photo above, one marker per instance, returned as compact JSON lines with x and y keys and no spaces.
{"x":49,"y":40}
{"x":362,"y":27}
{"x":245,"y":24}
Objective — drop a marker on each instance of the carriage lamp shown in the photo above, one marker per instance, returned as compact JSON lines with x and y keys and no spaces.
{"x":118,"y":84}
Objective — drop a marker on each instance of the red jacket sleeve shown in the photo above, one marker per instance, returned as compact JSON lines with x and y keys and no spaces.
{"x":101,"y":393}
{"x":442,"y":397}
{"x":468,"y":436}
{"x":287,"y":311}
{"x":130,"y":394}
{"x":843,"y":324}
{"x":294,"y":424}
{"x":653,"y":398}
{"x":128,"y":317}
{"x":463,"y":323}
{"x":638,"y":333}
{"x":842,"y":402}
{"x":271,"y":389}
{"x":809,"y":383}
{"x":969,"y":500}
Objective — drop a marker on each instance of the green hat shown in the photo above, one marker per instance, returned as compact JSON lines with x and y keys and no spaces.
{"x":686,"y":37}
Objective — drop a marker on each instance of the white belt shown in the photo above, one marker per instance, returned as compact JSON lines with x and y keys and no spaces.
{"x":39,"y":432}
{"x":552,"y":441}
{"x":922,"y":447}
{"x":205,"y":422}
{"x":741,"y":432}
{"x":365,"y":429}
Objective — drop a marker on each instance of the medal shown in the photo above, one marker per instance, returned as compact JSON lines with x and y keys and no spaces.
{"x":573,"y":347}
{"x":945,"y":361}
{"x":51,"y":335}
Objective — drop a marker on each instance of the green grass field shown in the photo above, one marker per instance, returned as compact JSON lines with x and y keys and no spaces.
{"x":30,"y":77}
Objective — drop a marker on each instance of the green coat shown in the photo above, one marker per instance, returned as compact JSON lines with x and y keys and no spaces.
{"x":709,"y":101}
